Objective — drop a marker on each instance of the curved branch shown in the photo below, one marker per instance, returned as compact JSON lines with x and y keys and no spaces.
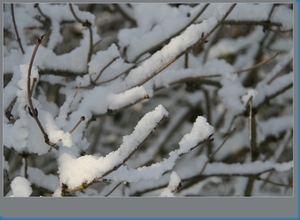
{"x":16,"y":29}
{"x":33,"y":111}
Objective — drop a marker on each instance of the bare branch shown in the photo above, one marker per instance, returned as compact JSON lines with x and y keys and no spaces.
{"x":16,"y":29}
{"x":258,"y":64}
{"x":82,"y":118}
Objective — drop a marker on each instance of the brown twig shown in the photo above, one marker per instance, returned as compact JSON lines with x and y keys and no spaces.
{"x":202,"y":176}
{"x":271,"y":96}
{"x":104,"y":68}
{"x":33,"y":84}
{"x":110,"y":192}
{"x":266,"y":23}
{"x":258,"y":64}
{"x":278,"y":157}
{"x":33,"y":111}
{"x":125,"y":15}
{"x":186,"y":60}
{"x":15,"y":26}
{"x":278,"y":73}
{"x":9,"y":108}
{"x":75,"y":94}
{"x":113,"y":111}
{"x":82,"y":118}
{"x":89,"y":26}
{"x":124,"y":72}
{"x":41,"y":12}
{"x":212,"y":155}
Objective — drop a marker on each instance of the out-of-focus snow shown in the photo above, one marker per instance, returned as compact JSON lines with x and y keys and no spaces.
{"x":174,"y":184}
{"x":20,"y":187}
{"x":37,"y":177}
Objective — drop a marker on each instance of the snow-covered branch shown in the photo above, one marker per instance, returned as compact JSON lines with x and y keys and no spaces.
{"x":221,"y":73}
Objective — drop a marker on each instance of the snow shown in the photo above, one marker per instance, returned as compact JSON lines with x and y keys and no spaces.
{"x":59,"y":13}
{"x":201,"y":130}
{"x":230,"y":46}
{"x":117,"y":89}
{"x":230,"y":94}
{"x":274,"y":126}
{"x":265,"y":90}
{"x":246,"y":168}
{"x":257,"y":12}
{"x":250,"y":93}
{"x":20,"y":187}
{"x":177,"y":45}
{"x":37,"y":177}
{"x":75,"y":61}
{"x":75,"y":171}
{"x":151,"y":28}
{"x":174,"y":184}
{"x":117,"y":101}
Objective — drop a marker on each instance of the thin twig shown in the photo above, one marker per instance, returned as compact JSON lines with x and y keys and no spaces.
{"x":104,"y":68}
{"x":278,"y":157}
{"x":41,"y":12}
{"x":33,"y":111}
{"x":249,"y":104}
{"x":110,"y":192}
{"x":89,"y":26}
{"x":273,"y":183}
{"x":202,"y":176}
{"x":16,"y":29}
{"x":259,"y":64}
{"x":82,"y":118}
{"x":212,"y":155}
{"x":9,"y":108}
{"x":186,"y":60}
{"x":266,"y":23}
{"x":193,"y":78}
{"x":33,"y":84}
{"x":113,"y":111}
{"x":278,"y":72}
{"x":75,"y":94}
{"x":124,"y":72}
{"x":271,"y":96}
{"x":25,"y":167}
{"x":125,"y":15}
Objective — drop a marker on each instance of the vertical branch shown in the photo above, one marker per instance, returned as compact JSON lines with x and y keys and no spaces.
{"x":15,"y":26}
{"x":252,"y":131}
{"x":75,"y":95}
{"x":186,"y":60}
{"x":37,"y":44}
{"x":90,"y":53}
{"x":253,"y":146}
{"x":89,"y":26}
{"x":25,"y":166}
